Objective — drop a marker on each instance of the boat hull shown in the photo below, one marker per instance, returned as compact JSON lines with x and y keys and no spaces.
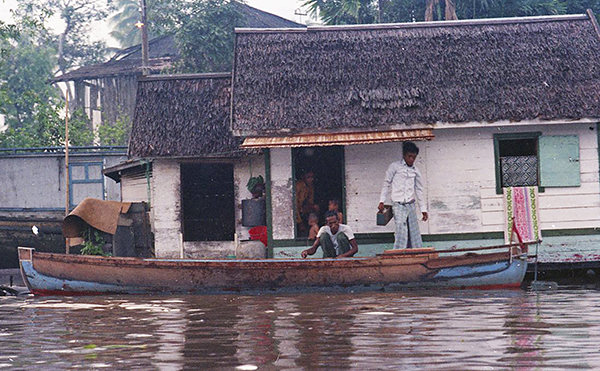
{"x":58,"y":274}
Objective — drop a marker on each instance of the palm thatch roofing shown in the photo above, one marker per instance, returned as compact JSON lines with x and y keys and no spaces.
{"x":183,"y":116}
{"x":378,"y":77}
{"x":163,"y":50}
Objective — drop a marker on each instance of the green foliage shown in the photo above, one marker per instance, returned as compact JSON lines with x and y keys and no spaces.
{"x":24,"y":92}
{"x":123,"y":23}
{"x":80,"y":130}
{"x":116,"y":134}
{"x":254,"y":181}
{"x":92,"y":244}
{"x":392,"y":11}
{"x":71,"y":41}
{"x":203,"y":30}
{"x":344,"y":11}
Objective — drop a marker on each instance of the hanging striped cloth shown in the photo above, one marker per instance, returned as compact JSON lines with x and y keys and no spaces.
{"x":521,"y":208}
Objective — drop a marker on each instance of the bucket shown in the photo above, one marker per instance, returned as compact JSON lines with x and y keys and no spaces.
{"x":259,"y":233}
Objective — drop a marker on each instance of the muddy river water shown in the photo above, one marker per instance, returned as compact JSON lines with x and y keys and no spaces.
{"x":427,"y":330}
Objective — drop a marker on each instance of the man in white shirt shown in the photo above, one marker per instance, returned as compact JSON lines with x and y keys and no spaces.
{"x":407,"y":189}
{"x":337,"y":240}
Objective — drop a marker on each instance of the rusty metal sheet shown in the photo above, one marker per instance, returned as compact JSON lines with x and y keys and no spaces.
{"x":338,"y":139}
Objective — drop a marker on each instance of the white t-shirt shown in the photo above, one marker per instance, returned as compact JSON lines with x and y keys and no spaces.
{"x":342,"y":229}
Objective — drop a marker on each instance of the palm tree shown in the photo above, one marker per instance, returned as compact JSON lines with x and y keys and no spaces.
{"x":123,"y":23}
{"x":450,"y":11}
{"x":343,"y":11}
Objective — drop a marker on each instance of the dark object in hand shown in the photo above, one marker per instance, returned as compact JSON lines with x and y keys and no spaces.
{"x":384,"y":217}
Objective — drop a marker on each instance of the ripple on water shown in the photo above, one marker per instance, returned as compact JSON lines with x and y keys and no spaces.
{"x":466,"y":330}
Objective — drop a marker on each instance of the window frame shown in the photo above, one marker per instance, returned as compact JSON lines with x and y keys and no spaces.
{"x":514,"y":136}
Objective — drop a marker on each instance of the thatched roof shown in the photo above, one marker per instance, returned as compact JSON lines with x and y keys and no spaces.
{"x":163,"y":50}
{"x":183,"y":116}
{"x":376,"y":77}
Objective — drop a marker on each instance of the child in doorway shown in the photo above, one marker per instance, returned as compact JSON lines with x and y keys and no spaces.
{"x":334,"y":205}
{"x":313,"y":224}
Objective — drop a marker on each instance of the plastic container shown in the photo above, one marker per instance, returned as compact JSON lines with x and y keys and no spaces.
{"x":259,"y":233}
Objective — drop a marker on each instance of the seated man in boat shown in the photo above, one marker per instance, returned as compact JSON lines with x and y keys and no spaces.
{"x":337,"y":240}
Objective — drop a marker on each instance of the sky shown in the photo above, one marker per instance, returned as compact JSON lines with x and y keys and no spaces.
{"x":283,"y":8}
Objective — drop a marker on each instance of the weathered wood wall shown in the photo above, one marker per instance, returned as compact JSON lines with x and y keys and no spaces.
{"x":282,"y":193}
{"x":243,"y":170}
{"x":458,"y":168}
{"x":166,"y":209}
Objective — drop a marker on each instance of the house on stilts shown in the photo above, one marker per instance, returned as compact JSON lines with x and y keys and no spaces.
{"x":491,"y":104}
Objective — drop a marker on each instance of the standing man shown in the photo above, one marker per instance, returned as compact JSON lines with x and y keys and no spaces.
{"x":337,"y":240}
{"x":407,"y":188}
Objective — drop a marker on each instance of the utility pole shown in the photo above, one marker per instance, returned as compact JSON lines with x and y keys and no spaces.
{"x":67,"y":196}
{"x":143,"y":25}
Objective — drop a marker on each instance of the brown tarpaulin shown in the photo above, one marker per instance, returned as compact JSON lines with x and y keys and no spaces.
{"x":102,"y":215}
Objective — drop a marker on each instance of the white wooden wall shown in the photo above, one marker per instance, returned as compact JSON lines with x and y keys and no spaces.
{"x":365,"y":170}
{"x":166,"y":209}
{"x":282,"y":193}
{"x":243,"y":170}
{"x":459,"y":171}
{"x":560,"y":208}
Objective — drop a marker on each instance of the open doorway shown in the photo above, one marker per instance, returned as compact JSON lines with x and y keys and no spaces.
{"x":327,"y":166}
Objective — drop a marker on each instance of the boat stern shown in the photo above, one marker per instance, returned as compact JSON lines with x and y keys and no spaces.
{"x":25,"y":263}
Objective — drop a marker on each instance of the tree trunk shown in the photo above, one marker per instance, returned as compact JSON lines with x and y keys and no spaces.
{"x":429,"y":10}
{"x":450,"y":10}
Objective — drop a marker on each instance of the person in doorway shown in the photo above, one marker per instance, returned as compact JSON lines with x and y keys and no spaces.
{"x":334,"y":205}
{"x":406,"y":185}
{"x":313,"y":224}
{"x":305,"y":199}
{"x":337,"y":240}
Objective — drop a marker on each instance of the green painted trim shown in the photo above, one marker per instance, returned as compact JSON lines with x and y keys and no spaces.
{"x":291,"y":243}
{"x":343,"y":175}
{"x":376,"y":238}
{"x":497,"y":164}
{"x":269,"y":203}
{"x":514,"y":136}
{"x":570,"y":232}
{"x":598,"y":144}
{"x":294,"y":153}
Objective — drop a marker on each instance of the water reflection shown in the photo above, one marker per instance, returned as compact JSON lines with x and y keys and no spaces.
{"x":472,"y":330}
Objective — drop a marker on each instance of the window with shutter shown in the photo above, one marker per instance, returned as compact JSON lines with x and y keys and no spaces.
{"x":559,"y":161}
{"x":530,"y":159}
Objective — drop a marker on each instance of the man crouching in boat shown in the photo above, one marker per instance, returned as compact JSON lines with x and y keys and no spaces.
{"x":337,"y":240}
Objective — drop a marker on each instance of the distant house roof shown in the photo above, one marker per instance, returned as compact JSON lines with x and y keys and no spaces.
{"x":163,"y":50}
{"x":377,"y":77}
{"x":183,"y":116}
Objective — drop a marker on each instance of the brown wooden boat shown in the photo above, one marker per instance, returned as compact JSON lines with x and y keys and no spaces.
{"x":482,"y":268}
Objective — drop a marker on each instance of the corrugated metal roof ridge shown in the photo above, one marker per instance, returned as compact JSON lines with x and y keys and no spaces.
{"x":391,"y":26}
{"x":334,"y":139}
{"x":191,"y":76}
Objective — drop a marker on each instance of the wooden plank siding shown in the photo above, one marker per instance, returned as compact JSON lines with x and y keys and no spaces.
{"x":166,"y":209}
{"x":282,"y":193}
{"x":458,"y":169}
{"x":166,"y":217}
{"x":245,"y":168}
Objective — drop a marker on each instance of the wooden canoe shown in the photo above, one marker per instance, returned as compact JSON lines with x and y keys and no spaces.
{"x":480,"y":268}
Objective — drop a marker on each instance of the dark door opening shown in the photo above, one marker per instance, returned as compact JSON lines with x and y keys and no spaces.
{"x":207,"y":200}
{"x":327,"y":164}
